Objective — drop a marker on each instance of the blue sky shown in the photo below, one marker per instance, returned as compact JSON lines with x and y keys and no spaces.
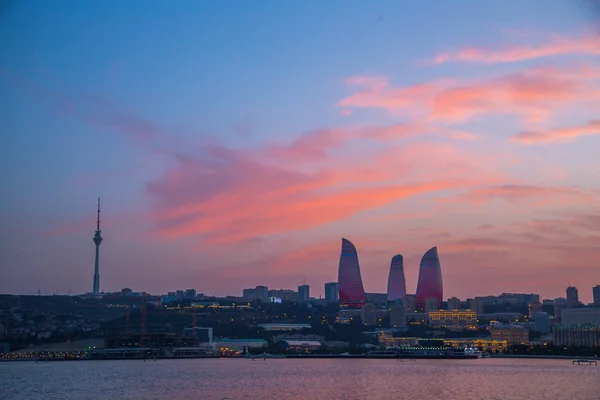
{"x":79,"y":79}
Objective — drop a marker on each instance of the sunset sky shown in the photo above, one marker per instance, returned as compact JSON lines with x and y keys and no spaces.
{"x":234,"y":144}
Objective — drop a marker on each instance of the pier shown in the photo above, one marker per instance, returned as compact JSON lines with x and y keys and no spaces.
{"x":585,"y":362}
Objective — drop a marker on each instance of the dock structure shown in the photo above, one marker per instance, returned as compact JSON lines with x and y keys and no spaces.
{"x":585,"y":362}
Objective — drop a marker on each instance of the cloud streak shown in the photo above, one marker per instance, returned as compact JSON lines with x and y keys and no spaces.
{"x":556,"y":46}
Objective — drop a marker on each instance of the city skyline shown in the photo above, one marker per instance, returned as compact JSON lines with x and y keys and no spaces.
{"x":227,"y":158}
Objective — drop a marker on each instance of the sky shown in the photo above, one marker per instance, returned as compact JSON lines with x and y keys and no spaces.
{"x":234,"y":144}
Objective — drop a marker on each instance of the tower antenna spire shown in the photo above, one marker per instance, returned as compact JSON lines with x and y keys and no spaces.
{"x":98,"y":221}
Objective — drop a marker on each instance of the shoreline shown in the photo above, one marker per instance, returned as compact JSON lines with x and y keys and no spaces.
{"x":401,"y":358}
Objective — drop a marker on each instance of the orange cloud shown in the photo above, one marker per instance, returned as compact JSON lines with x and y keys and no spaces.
{"x":587,"y":45}
{"x":558,"y":135}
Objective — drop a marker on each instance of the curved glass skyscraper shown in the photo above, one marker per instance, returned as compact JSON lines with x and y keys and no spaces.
{"x":396,"y":289}
{"x":430,"y":278}
{"x":351,"y":290}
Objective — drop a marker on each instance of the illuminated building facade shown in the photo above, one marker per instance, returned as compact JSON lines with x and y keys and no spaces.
{"x":513,"y":334}
{"x":453,"y":319}
{"x":582,"y":335}
{"x":430,"y":278}
{"x":396,"y":289}
{"x":489,"y":345}
{"x":350,"y":286}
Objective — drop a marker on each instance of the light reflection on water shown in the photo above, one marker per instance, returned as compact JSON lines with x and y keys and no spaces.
{"x":485,"y":379}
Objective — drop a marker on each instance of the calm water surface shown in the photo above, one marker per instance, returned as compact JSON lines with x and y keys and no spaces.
{"x":486,"y":379}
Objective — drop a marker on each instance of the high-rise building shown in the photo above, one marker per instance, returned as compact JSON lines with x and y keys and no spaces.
{"x":398,"y":314}
{"x":331,"y":292}
{"x":97,"y":241}
{"x":258,"y":293}
{"x":431,"y":304}
{"x":430,"y":278}
{"x":572,"y":297}
{"x":560,"y":303}
{"x":596,"y":292}
{"x":396,"y":289}
{"x":303,"y":293}
{"x":410,"y":302}
{"x":476,"y":305}
{"x":351,"y":290}
{"x":189,"y":294}
{"x":453,"y":303}
{"x":368,"y":314}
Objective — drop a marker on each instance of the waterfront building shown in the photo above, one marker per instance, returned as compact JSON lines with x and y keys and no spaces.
{"x":258,"y":293}
{"x":453,"y":319}
{"x":541,"y":322}
{"x":581,"y":316}
{"x":580,"y":335}
{"x":284,"y":327}
{"x":453,"y":303}
{"x":396,"y":289}
{"x":512,"y":333}
{"x":202,"y":334}
{"x":238,"y":345}
{"x":572,"y":297}
{"x":303,"y":293}
{"x":430,"y":283}
{"x":596,"y":293}
{"x":331,"y":292}
{"x":351,"y":290}
{"x":483,"y":344}
{"x":299,"y":346}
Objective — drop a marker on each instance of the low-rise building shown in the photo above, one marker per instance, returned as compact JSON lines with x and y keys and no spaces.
{"x":512,"y":333}
{"x":581,"y":316}
{"x":580,"y":335}
{"x":453,"y":319}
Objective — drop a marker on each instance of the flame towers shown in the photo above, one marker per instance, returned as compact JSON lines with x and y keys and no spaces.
{"x":396,"y":289}
{"x":97,"y":241}
{"x":351,"y":290}
{"x":430,"y":278}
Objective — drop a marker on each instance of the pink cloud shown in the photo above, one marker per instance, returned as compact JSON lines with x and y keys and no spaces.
{"x":539,"y":194}
{"x":558,"y":135}
{"x":236,"y":196}
{"x":533,"y":94}
{"x":586,"y":45}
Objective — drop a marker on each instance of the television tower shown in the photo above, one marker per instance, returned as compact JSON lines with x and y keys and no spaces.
{"x":97,"y":241}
